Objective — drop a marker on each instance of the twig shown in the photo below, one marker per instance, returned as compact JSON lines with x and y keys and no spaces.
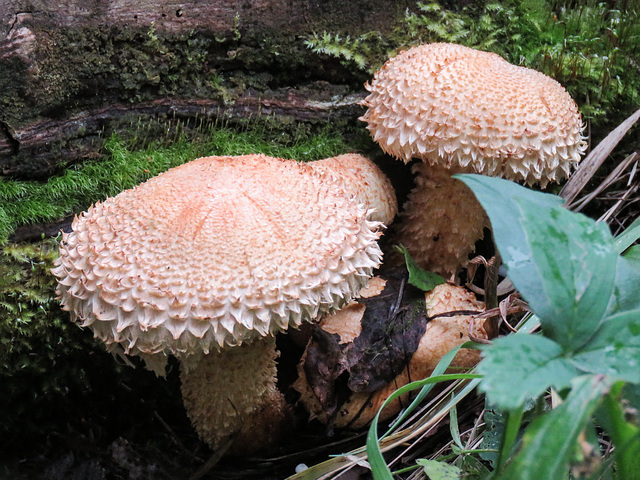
{"x":593,"y":161}
{"x":611,"y":178}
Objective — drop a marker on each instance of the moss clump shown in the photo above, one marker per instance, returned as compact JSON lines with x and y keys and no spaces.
{"x":31,"y":327}
{"x":36,"y":337}
{"x":27,"y":202}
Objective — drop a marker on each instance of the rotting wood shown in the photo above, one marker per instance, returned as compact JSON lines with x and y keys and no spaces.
{"x":71,"y":69}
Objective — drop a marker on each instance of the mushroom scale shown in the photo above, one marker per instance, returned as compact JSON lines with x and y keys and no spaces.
{"x":214,"y":253}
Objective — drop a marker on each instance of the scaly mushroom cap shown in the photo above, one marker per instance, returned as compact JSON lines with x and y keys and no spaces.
{"x":215,"y":252}
{"x":473,"y":111}
{"x":363,"y":179}
{"x":441,"y":335}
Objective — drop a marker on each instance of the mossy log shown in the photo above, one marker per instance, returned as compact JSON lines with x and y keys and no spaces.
{"x":73,"y":71}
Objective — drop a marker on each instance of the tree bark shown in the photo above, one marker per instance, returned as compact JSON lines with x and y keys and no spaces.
{"x":73,"y":71}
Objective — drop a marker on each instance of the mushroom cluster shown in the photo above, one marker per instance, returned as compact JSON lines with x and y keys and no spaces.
{"x":463,"y":110}
{"x":209,"y":260}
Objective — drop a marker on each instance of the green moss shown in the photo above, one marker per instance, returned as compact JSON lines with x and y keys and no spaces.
{"x":79,"y":68}
{"x":31,"y":325}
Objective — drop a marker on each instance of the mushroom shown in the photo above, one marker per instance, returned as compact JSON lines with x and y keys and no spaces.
{"x":461,"y":110}
{"x":207,"y":262}
{"x":443,"y":332}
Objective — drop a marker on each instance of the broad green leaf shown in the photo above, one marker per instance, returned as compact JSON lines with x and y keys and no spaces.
{"x":576,"y":263}
{"x":418,"y":277}
{"x":522,"y":366}
{"x":497,"y":198}
{"x":626,"y":288}
{"x":563,"y":263}
{"x":550,"y":440}
{"x":614,"y":350}
{"x":439,"y":470}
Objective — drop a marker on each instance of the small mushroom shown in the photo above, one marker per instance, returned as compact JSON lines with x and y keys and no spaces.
{"x":444,"y":331}
{"x":207,"y":262}
{"x":463,"y":110}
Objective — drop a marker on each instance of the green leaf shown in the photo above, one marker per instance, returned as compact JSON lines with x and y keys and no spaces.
{"x":612,"y":417}
{"x":522,"y":366}
{"x":550,"y":440}
{"x":576,"y":264}
{"x":563,"y":263}
{"x":418,"y":277}
{"x":632,"y":254}
{"x":439,"y":470}
{"x":614,"y":350}
{"x":626,"y":284}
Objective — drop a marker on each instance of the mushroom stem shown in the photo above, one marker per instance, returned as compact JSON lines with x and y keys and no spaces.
{"x":441,"y":220}
{"x":233,"y":394}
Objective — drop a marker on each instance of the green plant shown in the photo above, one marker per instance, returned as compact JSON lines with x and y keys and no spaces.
{"x":584,"y":294}
{"x":488,"y":26}
{"x":591,"y":47}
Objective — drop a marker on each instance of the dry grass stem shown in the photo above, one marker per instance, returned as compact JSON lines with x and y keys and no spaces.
{"x":592,"y":162}
{"x":616,"y":175}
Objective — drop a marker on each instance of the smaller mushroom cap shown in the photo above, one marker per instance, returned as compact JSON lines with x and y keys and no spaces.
{"x":365,"y":181}
{"x":473,"y":111}
{"x":215,"y":252}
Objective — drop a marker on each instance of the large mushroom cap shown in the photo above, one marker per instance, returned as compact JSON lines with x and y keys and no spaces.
{"x":473,"y":111}
{"x":215,"y":252}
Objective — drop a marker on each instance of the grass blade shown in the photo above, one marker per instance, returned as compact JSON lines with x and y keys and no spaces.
{"x":628,"y":237}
